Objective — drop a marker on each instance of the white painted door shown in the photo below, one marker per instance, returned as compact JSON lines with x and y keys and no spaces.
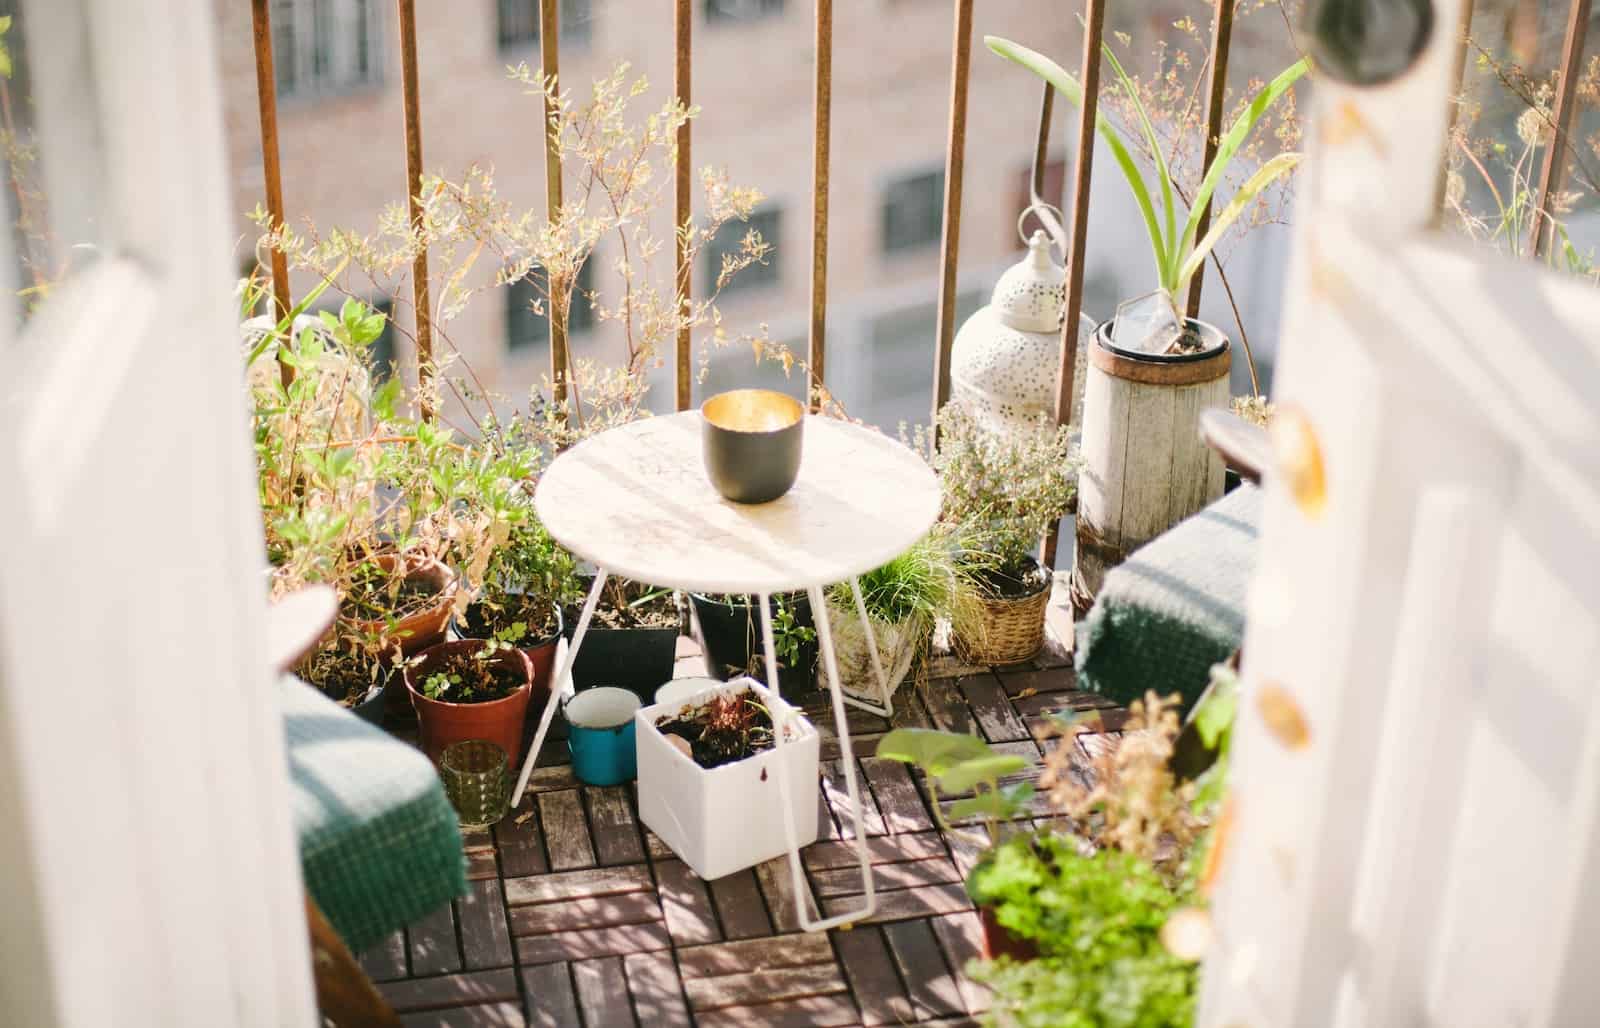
{"x":151,"y":874}
{"x":1426,"y":852}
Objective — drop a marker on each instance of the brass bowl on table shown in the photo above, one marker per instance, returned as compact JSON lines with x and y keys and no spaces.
{"x":751,"y":443}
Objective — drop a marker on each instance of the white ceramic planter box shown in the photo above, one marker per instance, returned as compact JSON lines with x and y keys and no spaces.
{"x":730,"y":817}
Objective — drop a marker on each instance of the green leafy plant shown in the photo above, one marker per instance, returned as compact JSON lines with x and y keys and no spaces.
{"x":1177,"y":252}
{"x":1097,"y":917}
{"x":789,"y":636}
{"x":954,"y":763}
{"x":1002,"y":493}
{"x":917,"y":587}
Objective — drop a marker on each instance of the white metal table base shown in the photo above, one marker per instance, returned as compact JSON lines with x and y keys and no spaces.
{"x":841,"y":726}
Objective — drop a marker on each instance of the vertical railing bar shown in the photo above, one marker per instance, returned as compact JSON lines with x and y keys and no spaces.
{"x":550,"y":69}
{"x":954,"y":165}
{"x":1217,"y":90}
{"x":1083,"y":170}
{"x":1553,"y":173}
{"x":271,"y":169}
{"x":1464,"y":33}
{"x":683,"y":175}
{"x":823,"y":104}
{"x":1041,"y":150}
{"x":419,"y":268}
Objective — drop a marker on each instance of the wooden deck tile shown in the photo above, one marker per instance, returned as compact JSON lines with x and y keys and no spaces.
{"x":928,"y":981}
{"x":812,"y":1012}
{"x":947,"y":706}
{"x":863,"y":744}
{"x":992,"y":709}
{"x":657,"y":992}
{"x":1022,"y":682}
{"x":603,"y":992}
{"x":566,"y":830}
{"x":600,"y":881}
{"x":905,"y":904}
{"x":587,"y":943}
{"x":898,"y":799}
{"x":551,"y":1000}
{"x":441,"y":991}
{"x":433,"y":943}
{"x":960,"y":938}
{"x":740,"y":907}
{"x":725,"y":958}
{"x":386,"y":960}
{"x":686,"y":903}
{"x":478,"y":844}
{"x":876,"y":983}
{"x":486,"y":1015}
{"x":616,"y":833}
{"x":883,"y":849}
{"x":589,"y":912}
{"x":481,"y":915}
{"x":519,"y":841}
{"x":777,"y":887}
{"x":833,"y":787}
{"x":843,"y":881}
{"x":748,"y":988}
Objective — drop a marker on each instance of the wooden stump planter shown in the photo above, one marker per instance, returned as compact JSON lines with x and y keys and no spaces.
{"x":1145,"y":467}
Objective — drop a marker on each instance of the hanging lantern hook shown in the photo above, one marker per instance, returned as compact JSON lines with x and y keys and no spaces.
{"x":1051,"y":218}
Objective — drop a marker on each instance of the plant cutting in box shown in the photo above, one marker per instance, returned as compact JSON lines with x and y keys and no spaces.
{"x":730,"y":633}
{"x":470,"y":689}
{"x":716,"y":784}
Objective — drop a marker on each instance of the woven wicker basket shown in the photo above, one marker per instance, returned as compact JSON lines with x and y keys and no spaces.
{"x":1011,"y":630}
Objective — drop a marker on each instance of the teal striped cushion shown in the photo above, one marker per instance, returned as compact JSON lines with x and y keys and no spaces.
{"x":379,"y":842}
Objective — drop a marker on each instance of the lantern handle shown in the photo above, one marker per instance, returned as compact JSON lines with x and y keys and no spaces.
{"x":1052,"y":225}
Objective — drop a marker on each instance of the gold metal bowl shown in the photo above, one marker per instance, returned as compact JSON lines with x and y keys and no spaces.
{"x":751,"y":443}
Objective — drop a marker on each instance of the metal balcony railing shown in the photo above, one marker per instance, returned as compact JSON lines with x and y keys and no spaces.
{"x":1073,"y":237}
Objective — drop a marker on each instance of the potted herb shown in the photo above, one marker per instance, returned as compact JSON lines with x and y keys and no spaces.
{"x":632,"y":642}
{"x":528,"y":581}
{"x":405,"y":601}
{"x":470,"y":689}
{"x":1152,"y":370}
{"x":731,"y":637}
{"x":351,"y":671}
{"x":954,"y":763}
{"x":904,"y":599}
{"x":1002,"y":493}
{"x":709,"y":776}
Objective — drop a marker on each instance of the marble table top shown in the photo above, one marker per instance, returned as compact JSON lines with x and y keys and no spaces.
{"x":636,"y":501}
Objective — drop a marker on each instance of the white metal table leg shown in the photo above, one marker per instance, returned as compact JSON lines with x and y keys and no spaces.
{"x":885,"y":705}
{"x":556,"y":679}
{"x":846,"y":757}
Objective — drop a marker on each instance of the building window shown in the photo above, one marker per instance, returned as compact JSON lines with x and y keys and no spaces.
{"x":326,"y":46}
{"x":518,"y":23}
{"x":913,"y":211}
{"x":527,"y":329}
{"x":768,"y":223}
{"x":741,"y":10}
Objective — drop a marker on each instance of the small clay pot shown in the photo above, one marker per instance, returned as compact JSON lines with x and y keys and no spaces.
{"x":415,"y":632}
{"x":999,"y":942}
{"x":441,"y":723}
{"x":751,"y":443}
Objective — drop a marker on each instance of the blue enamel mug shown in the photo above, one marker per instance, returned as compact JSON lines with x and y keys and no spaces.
{"x":600,"y":735}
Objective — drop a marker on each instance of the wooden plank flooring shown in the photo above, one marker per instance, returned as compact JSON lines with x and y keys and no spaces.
{"x":576,"y":915}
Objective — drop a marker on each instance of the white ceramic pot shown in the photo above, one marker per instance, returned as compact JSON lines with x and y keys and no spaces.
{"x":728,"y":818}
{"x":897,"y":648}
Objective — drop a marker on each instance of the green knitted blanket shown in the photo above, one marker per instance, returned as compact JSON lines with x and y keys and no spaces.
{"x":1175,"y":607}
{"x":379,"y":842}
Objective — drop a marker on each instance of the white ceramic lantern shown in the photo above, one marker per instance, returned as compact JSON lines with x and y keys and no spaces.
{"x":1003,"y":364}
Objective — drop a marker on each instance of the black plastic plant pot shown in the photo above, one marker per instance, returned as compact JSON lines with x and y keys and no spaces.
{"x":751,"y":443}
{"x":637,"y":659}
{"x":371,"y":707}
{"x":730,"y":636}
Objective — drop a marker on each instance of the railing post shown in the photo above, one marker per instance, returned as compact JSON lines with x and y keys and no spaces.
{"x":823,"y":104}
{"x":1554,"y":171}
{"x":683,"y":210}
{"x":271,"y":170}
{"x":1083,"y":170}
{"x":954,"y":165}
{"x":1217,"y":89}
{"x":550,"y":56}
{"x":422,"y":307}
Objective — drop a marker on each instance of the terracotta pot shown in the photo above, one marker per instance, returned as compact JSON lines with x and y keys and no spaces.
{"x":999,"y":942}
{"x":441,"y":723}
{"x":415,"y":632}
{"x":542,"y":652}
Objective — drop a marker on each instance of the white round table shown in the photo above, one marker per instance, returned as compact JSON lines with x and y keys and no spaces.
{"x":636,"y":502}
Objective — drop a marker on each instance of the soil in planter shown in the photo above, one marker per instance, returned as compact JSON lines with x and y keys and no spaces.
{"x":341,"y":676}
{"x":724,"y":730}
{"x":630,"y":605}
{"x":730,"y":631}
{"x":1188,"y":342}
{"x":1001,"y":584}
{"x":497,"y":617}
{"x":374,"y":596}
{"x":471,"y":680}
